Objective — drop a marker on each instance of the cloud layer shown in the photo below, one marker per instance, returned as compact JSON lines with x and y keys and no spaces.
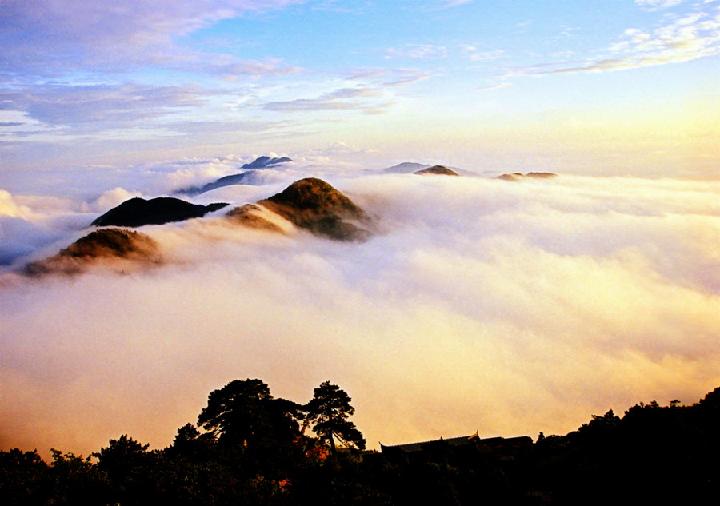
{"x":482,"y":305}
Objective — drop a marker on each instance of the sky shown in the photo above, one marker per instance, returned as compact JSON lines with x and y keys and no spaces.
{"x":603,"y":87}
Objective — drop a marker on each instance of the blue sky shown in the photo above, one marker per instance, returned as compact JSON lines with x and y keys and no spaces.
{"x":610,"y":87}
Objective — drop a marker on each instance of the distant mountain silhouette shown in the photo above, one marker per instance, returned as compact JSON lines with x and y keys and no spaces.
{"x":516,"y":176}
{"x":104,"y":244}
{"x":262,"y":162}
{"x":158,"y":211}
{"x":437,"y":170}
{"x":310,"y":204}
{"x":406,"y":168}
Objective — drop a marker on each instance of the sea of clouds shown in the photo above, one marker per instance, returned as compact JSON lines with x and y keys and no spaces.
{"x":479,"y":305}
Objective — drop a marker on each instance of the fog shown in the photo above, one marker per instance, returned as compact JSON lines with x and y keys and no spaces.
{"x":479,"y":305}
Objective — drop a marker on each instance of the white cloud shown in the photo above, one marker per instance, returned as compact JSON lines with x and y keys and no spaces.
{"x":417,"y":51}
{"x":343,"y":99}
{"x":475,"y":54}
{"x":54,"y":36}
{"x":680,"y":39}
{"x":658,"y":4}
{"x":482,"y":304}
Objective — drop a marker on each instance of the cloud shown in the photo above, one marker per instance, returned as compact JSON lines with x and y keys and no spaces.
{"x":29,"y":223}
{"x":56,"y":36}
{"x":99,"y":104}
{"x":388,"y":77}
{"x":658,"y":4}
{"x":417,"y":51}
{"x":683,"y":38}
{"x":342,"y":99}
{"x":474,"y":54}
{"x":507,"y":308}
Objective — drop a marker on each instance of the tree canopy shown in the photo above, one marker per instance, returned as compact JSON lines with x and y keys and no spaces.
{"x":329,"y":411}
{"x":246,"y":418}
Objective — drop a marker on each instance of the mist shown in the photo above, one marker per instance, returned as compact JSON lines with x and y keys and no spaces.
{"x":479,"y":305}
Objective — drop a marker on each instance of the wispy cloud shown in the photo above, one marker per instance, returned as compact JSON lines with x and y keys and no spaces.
{"x":682,"y":38}
{"x":99,"y":104}
{"x":389,"y":77}
{"x":343,"y":99}
{"x":417,"y":51}
{"x":476,"y":54}
{"x":658,"y":4}
{"x":456,"y":3}
{"x":54,"y":36}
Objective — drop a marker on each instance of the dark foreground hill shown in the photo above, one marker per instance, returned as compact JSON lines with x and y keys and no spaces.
{"x":116,"y":248}
{"x":137,"y":212}
{"x":251,"y":448}
{"x":310,"y":204}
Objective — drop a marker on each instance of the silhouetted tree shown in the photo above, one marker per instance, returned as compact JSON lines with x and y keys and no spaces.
{"x":121,"y":455}
{"x":329,"y":411}
{"x":191,"y":444}
{"x":252,"y":425}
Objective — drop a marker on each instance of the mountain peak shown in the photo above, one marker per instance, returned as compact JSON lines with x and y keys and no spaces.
{"x":266,"y":161}
{"x":127,"y":246}
{"x":310,"y":204}
{"x":137,"y":211}
{"x":406,"y":168}
{"x":437,"y":170}
{"x":517,"y":176}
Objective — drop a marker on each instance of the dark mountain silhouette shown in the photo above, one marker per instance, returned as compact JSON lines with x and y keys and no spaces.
{"x":437,"y":170}
{"x":406,"y":168}
{"x":138,"y":211}
{"x":262,"y":162}
{"x":127,"y":247}
{"x":517,"y":176}
{"x":314,"y":205}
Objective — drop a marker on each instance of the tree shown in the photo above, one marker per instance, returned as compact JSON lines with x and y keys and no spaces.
{"x":121,"y":456}
{"x":244,"y":415}
{"x":329,"y":411}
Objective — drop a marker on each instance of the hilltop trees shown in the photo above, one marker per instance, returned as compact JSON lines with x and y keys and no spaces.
{"x":248,"y":450}
{"x":248,"y":421}
{"x":329,"y":411}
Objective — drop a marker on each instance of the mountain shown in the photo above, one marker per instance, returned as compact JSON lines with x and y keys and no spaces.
{"x":437,"y":170}
{"x":253,"y":216}
{"x":310,"y":204}
{"x":158,"y":211}
{"x":262,"y":162}
{"x":516,"y":176}
{"x":405,"y":168}
{"x":126,"y":246}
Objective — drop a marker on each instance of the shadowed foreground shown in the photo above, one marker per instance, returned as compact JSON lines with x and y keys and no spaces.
{"x":251,"y":448}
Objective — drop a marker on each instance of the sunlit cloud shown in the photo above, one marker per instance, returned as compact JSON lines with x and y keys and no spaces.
{"x":481,"y":304}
